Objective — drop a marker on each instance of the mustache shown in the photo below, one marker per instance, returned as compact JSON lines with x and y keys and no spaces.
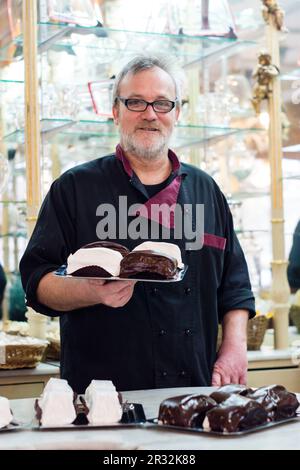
{"x":148,"y":125}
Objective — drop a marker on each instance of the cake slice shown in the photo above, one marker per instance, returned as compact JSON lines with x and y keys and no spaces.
{"x":185,"y":410}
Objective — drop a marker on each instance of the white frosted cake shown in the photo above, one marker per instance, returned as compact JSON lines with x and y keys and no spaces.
{"x":103,"y":403}
{"x":5,"y":414}
{"x":56,"y":405}
{"x":85,"y":261}
{"x":169,"y":249}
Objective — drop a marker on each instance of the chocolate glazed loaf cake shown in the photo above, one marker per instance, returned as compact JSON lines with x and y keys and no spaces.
{"x":185,"y":410}
{"x":277,"y":401}
{"x":237,"y":413}
{"x":148,"y":264}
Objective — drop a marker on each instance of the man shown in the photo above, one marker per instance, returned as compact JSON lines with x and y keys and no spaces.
{"x":145,"y":335}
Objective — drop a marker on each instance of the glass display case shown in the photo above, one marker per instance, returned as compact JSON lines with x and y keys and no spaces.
{"x":217,"y":130}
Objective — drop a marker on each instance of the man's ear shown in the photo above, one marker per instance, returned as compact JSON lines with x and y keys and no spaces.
{"x":115,"y":112}
{"x":177,"y":112}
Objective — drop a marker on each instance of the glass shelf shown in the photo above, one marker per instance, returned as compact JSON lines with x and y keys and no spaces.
{"x":66,"y":130}
{"x":117,"y":44}
{"x":291,"y":76}
{"x":9,"y":82}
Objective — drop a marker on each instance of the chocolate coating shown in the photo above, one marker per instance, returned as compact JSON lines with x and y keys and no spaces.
{"x":91,"y":271}
{"x":108,"y":244}
{"x":148,"y":263}
{"x":185,"y":410}
{"x":237,"y":413}
{"x":224,"y":392}
{"x":277,"y":401}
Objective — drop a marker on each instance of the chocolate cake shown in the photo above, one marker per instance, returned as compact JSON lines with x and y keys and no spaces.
{"x":225,"y":391}
{"x":237,"y":413}
{"x":185,"y":410}
{"x":96,"y":261}
{"x":277,"y":401}
{"x":148,"y":264}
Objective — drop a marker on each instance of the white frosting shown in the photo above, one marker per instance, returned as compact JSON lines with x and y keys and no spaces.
{"x":103,"y":257}
{"x":57,"y":385}
{"x":5,"y":414}
{"x":56,"y":403}
{"x":103,"y":403}
{"x":164,"y":248}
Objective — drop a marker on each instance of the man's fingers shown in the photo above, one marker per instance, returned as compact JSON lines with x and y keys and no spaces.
{"x":216,"y":379}
{"x":243,"y":379}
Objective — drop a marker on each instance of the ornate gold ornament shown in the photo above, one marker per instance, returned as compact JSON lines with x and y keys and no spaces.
{"x":264,"y":74}
{"x":270,"y":10}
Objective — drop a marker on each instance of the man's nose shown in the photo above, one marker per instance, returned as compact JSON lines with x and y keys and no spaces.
{"x":149,"y":113}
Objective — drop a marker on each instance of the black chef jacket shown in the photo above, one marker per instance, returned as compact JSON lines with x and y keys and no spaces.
{"x":165,"y":336}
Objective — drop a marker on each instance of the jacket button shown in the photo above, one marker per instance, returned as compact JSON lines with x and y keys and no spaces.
{"x":154,"y":291}
{"x":187,"y":332}
{"x":164,"y":373}
{"x":182,"y":373}
{"x":162,"y":332}
{"x":188,"y":291}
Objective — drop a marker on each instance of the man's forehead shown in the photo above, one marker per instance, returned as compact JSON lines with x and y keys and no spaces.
{"x":153,"y":80}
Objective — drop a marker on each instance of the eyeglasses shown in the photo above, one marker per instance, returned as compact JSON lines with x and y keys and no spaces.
{"x":138,"y":105}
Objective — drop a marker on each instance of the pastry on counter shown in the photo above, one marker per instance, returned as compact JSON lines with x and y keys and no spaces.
{"x":277,"y":401}
{"x":237,"y":413}
{"x":56,"y":407}
{"x":185,"y":410}
{"x":103,"y":403}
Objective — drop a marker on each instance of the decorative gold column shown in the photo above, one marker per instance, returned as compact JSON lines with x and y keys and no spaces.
{"x":36,"y":321}
{"x":274,"y":16}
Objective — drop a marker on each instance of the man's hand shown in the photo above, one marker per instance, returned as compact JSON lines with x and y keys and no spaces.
{"x":231,"y":365}
{"x":114,"y":293}
{"x":69,"y":294}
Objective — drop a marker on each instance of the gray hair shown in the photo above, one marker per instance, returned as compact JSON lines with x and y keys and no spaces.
{"x":144,"y":62}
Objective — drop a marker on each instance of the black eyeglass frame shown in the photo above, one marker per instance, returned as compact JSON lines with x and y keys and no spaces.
{"x":147,"y":103}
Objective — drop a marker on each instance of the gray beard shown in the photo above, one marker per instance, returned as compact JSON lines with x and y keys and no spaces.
{"x":149,"y":153}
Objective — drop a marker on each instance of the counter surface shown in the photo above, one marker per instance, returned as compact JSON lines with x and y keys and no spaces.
{"x":282,"y":437}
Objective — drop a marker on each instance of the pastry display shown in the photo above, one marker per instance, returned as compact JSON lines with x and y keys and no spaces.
{"x":185,"y":410}
{"x":231,"y":408}
{"x":56,"y":405}
{"x":6,"y":416}
{"x":103,"y":403}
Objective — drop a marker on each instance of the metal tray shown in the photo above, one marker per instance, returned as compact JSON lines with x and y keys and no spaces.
{"x":13,"y":426}
{"x":178,"y":277}
{"x":264,"y":427}
{"x":134,"y":416}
